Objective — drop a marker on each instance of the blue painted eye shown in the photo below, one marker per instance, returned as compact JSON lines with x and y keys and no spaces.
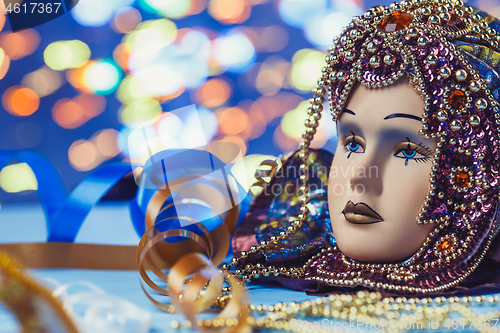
{"x":412,"y":152}
{"x":353,"y":146}
{"x":409,"y":153}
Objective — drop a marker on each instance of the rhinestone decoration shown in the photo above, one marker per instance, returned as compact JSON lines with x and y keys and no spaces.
{"x":481,"y":104}
{"x":456,"y":125}
{"x":457,"y":99}
{"x":461,"y":179}
{"x":446,"y":245}
{"x":445,"y":72}
{"x":395,"y":22}
{"x":442,"y":115}
{"x":372,"y":47}
{"x":432,"y":59}
{"x":461,"y":75}
{"x":474,"y":120}
{"x":402,"y":275}
{"x":389,"y":59}
{"x":375,"y":61}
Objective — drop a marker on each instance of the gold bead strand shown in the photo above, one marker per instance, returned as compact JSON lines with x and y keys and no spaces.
{"x":311,"y":123}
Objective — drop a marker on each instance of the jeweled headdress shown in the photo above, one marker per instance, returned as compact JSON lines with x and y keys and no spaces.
{"x":450,"y":53}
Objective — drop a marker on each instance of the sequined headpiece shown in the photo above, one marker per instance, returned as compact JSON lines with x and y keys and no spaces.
{"x":451,"y":55}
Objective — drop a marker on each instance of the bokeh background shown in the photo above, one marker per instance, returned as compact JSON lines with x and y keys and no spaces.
{"x":74,"y":88}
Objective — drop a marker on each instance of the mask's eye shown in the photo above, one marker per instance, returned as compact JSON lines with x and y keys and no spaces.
{"x":408,"y":153}
{"x":354,"y":144}
{"x":412,"y":151}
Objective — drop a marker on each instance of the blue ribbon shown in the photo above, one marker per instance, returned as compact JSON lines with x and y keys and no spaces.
{"x":65,"y":214}
{"x":64,"y":227}
{"x":171,"y":164}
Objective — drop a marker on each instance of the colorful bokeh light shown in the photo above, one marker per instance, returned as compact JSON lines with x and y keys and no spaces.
{"x":96,"y":13}
{"x":20,"y":44}
{"x":324,"y":28}
{"x":271,"y":38}
{"x":306,"y":68}
{"x":103,"y":77}
{"x":62,"y":55}
{"x":4,"y":63}
{"x":131,"y":90}
{"x":248,"y":65}
{"x":107,"y":143}
{"x":229,"y":11}
{"x":82,"y":155}
{"x":18,"y":177}
{"x":232,"y":120}
{"x":167,"y":8}
{"x":126,"y":19}
{"x":234,"y":51}
{"x":85,"y":155}
{"x":139,"y":111}
{"x":20,"y":101}
{"x":151,"y":36}
{"x":271,"y":76}
{"x":213,"y":93}
{"x":76,"y":77}
{"x":298,"y":13}
{"x":73,"y":113}
{"x":44,"y":81}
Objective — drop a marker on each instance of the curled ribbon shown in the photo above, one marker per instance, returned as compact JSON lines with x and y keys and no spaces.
{"x":191,"y":249}
{"x":264,"y":174}
{"x":196,"y":271}
{"x":190,"y":245}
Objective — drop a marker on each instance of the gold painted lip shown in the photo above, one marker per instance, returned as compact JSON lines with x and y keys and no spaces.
{"x":360,"y":213}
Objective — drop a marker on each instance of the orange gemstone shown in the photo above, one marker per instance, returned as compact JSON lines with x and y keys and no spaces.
{"x":395,"y":22}
{"x":445,"y":245}
{"x":457,"y":99}
{"x":462,"y":179}
{"x":403,"y":275}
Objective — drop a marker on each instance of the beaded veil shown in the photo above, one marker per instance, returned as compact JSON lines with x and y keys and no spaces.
{"x":450,"y":53}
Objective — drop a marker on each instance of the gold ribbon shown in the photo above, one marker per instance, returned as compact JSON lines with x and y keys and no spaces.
{"x":73,"y":255}
{"x":266,"y":170}
{"x":193,"y":282}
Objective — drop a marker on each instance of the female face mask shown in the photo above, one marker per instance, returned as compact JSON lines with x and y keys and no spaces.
{"x":413,"y":187}
{"x":379,"y":177}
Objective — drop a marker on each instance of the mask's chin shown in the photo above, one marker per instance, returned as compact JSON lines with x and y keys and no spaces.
{"x":373,"y":252}
{"x":366,"y":259}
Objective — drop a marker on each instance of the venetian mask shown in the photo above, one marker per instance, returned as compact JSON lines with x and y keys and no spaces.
{"x":435,"y":224}
{"x":413,"y":187}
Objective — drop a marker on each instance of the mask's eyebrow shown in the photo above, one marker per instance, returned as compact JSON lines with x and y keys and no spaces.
{"x":403,"y":115}
{"x":349,"y":111}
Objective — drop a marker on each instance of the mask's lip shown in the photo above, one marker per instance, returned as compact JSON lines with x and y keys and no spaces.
{"x":360,"y":213}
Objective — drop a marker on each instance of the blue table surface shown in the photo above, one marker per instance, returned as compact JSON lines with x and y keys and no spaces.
{"x":110,"y":224}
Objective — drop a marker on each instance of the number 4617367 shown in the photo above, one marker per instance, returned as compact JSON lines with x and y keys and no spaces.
{"x":33,"y":7}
